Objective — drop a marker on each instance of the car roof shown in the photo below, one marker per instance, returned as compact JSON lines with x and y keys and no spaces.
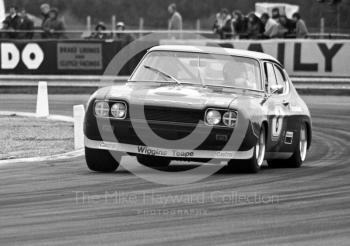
{"x":215,"y":51}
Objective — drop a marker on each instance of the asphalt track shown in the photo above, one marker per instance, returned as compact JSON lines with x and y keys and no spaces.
{"x":40,"y":203}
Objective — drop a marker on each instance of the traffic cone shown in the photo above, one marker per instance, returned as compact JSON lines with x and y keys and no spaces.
{"x":42,"y":103}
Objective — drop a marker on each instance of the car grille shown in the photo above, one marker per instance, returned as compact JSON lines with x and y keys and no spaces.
{"x":176,"y":115}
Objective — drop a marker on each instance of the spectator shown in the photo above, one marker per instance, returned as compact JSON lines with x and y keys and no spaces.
{"x":301,"y":29}
{"x":287,"y":27}
{"x":276,"y":14}
{"x":126,"y":38}
{"x":223,"y":24}
{"x":45,"y":13}
{"x":100,"y":32}
{"x":240,"y":23}
{"x":5,"y":33}
{"x":271,"y":26}
{"x":12,"y":21}
{"x":53,"y":27}
{"x":175,"y":22}
{"x":255,"y":27}
{"x":26,"y":26}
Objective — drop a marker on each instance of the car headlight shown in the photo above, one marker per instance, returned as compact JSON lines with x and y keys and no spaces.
{"x":230,"y":118}
{"x":101,"y":109}
{"x":213,"y":117}
{"x":119,"y":110}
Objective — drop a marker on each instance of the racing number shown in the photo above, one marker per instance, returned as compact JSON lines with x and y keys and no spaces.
{"x":277,"y":123}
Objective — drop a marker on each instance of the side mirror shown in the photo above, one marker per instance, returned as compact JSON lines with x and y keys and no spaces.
{"x":277,"y":89}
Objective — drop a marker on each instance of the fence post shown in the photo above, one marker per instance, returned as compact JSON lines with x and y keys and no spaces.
{"x":322,"y":24}
{"x":88,"y":23}
{"x":198,"y":27}
{"x":141,"y":26}
{"x":114,"y":22}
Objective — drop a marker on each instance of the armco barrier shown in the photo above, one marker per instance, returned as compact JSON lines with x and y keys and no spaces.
{"x":306,"y":58}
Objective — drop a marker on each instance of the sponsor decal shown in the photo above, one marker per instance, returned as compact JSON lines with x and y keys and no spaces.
{"x":165,"y":153}
{"x":289,"y":138}
{"x":184,"y":154}
{"x":224,"y":155}
{"x":151,"y":151}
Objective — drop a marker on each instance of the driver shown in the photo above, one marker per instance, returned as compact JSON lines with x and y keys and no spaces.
{"x":235,"y":74}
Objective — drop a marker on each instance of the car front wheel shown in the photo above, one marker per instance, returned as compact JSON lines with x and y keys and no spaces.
{"x":255,"y":163}
{"x":100,"y":161}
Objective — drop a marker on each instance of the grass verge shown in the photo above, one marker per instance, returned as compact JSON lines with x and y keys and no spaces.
{"x":22,"y":137}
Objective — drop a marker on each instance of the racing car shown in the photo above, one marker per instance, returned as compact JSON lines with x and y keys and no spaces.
{"x":199,"y":104}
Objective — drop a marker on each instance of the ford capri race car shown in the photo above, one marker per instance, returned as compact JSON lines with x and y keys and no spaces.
{"x":199,"y":104}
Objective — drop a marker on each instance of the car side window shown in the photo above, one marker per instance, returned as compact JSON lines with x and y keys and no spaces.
{"x":270,"y":76}
{"x":281,"y":79}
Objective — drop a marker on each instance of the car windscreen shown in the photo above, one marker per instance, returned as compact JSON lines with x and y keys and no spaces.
{"x":194,"y":68}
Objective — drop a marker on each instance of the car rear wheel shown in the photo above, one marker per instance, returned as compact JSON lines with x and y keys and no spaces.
{"x":253,"y":165}
{"x":153,"y":161}
{"x":100,"y":161}
{"x":299,"y":155}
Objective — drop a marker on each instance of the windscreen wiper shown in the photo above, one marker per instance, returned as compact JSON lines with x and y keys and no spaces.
{"x":168,"y":76}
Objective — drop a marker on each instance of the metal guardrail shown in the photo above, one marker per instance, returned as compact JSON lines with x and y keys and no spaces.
{"x":98,"y":81}
{"x":84,"y":34}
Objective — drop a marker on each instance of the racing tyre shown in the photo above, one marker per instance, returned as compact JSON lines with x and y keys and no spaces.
{"x":299,"y":155}
{"x":253,"y":165}
{"x":153,"y":161}
{"x":100,"y":161}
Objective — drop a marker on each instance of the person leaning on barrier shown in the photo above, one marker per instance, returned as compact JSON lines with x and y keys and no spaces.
{"x":300,"y":29}
{"x":5,"y":34}
{"x":255,"y":27}
{"x":26,"y":26}
{"x":45,"y":13}
{"x":286,"y":28}
{"x":240,"y":23}
{"x":100,"y":32}
{"x":12,"y":21}
{"x":54,"y":27}
{"x":121,"y":35}
{"x":271,"y":26}
{"x":223,"y":25}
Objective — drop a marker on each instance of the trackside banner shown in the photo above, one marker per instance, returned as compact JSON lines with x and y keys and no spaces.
{"x":68,"y":57}
{"x":322,"y":58}
{"x":326,"y":58}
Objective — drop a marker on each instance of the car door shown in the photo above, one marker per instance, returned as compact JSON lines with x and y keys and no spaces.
{"x":280,"y":137}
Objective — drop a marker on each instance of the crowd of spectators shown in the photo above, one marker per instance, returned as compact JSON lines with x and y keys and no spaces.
{"x":18,"y":25}
{"x":237,"y":25}
{"x":101,"y":33}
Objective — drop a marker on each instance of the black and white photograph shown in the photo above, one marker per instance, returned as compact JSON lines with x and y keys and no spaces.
{"x":174,"y":122}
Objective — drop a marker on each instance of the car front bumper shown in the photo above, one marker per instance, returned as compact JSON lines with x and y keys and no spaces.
{"x":168,"y":153}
